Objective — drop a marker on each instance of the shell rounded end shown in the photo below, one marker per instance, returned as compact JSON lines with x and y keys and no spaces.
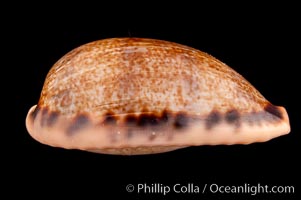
{"x":29,"y":122}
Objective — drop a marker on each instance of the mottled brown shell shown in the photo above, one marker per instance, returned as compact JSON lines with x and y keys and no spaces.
{"x":137,"y":96}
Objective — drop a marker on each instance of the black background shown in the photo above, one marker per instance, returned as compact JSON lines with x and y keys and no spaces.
{"x":260,"y":42}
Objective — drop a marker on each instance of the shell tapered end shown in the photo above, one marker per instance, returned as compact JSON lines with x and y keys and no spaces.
{"x":284,"y":123}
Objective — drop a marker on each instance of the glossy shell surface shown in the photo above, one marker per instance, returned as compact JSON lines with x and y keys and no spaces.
{"x":142,"y":96}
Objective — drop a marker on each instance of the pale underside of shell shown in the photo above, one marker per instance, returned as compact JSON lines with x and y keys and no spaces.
{"x":142,"y":96}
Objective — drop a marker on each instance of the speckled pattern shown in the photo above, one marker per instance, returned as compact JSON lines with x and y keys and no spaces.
{"x":140,"y":96}
{"x":134,"y":75}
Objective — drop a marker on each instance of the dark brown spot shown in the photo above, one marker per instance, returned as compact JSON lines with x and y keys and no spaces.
{"x":146,"y":119}
{"x":213,"y":119}
{"x":44,"y":117}
{"x":110,"y":119}
{"x":52,"y":118}
{"x":181,"y":121}
{"x":130,"y":120}
{"x":273,"y":110}
{"x":34,"y":114}
{"x":164,"y":117}
{"x":232,"y":117}
{"x":80,"y":122}
{"x":154,"y":120}
{"x":157,"y":120}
